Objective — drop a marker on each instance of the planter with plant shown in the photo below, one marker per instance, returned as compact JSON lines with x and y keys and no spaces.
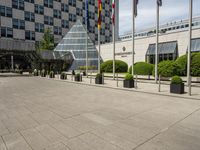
{"x":63,"y":76}
{"x":51,"y":74}
{"x":43,"y":73}
{"x":35,"y":72}
{"x":78,"y":77}
{"x":177,"y":85}
{"x":99,"y":78}
{"x":129,"y":81}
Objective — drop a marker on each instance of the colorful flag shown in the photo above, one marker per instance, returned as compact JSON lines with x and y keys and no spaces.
{"x":87,"y":20}
{"x":135,"y":5}
{"x":113,"y":12}
{"x":99,"y":13}
{"x":159,"y":2}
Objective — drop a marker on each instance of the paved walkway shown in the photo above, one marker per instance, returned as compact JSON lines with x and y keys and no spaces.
{"x":44,"y":114}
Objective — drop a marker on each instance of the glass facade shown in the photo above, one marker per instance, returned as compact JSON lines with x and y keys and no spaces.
{"x":76,"y":41}
{"x":195,"y":45}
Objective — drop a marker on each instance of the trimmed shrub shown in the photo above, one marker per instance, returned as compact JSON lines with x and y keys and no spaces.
{"x":51,"y":74}
{"x":181,"y":64}
{"x":166,"y":68}
{"x":120,"y":66}
{"x":99,"y":75}
{"x":195,"y":65}
{"x":129,"y":76}
{"x":142,"y":68}
{"x":176,"y":80}
{"x":63,"y":76}
{"x":77,"y":75}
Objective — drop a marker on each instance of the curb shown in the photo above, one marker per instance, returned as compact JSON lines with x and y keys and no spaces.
{"x":122,"y":89}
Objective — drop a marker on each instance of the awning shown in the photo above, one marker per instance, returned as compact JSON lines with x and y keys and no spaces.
{"x":163,"y":48}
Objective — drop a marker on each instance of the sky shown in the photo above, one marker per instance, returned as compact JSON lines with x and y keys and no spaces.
{"x":170,"y":11}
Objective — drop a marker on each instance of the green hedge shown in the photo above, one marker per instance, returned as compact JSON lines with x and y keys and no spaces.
{"x":120,"y":66}
{"x":142,"y":68}
{"x":176,"y":80}
{"x":181,"y":64}
{"x":195,"y":65}
{"x":166,"y":68}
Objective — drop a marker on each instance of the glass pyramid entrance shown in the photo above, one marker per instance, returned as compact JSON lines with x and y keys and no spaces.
{"x":75,"y":43}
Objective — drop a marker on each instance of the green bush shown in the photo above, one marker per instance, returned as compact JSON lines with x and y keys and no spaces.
{"x":166,"y":68}
{"x":120,"y":66}
{"x":176,"y":80}
{"x":181,"y":64}
{"x":99,"y":75}
{"x":195,"y":65}
{"x":63,"y":76}
{"x":51,"y":74}
{"x":129,"y":76}
{"x":77,"y":75}
{"x":142,"y":68}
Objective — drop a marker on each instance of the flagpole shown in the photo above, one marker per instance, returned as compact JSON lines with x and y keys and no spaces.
{"x":86,"y":19}
{"x":113,"y":33}
{"x":157,"y":41}
{"x":189,"y":48}
{"x":99,"y":56}
{"x":133,"y":38}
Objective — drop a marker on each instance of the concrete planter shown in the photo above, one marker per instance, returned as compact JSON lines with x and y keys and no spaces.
{"x":99,"y":80}
{"x":78,"y":78}
{"x":128,"y":83}
{"x":177,"y":88}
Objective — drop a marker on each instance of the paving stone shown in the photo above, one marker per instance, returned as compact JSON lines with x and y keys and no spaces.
{"x":2,"y":145}
{"x":65,"y":130}
{"x":3,"y":129}
{"x":50,"y":133}
{"x":35,"y":139}
{"x":15,"y":141}
{"x":12,"y":124}
{"x":58,"y":146}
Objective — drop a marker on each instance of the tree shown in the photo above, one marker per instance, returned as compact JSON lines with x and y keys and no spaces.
{"x":47,"y":43}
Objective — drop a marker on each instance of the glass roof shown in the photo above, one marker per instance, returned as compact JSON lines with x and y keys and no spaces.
{"x":163,"y":48}
{"x":75,"y":42}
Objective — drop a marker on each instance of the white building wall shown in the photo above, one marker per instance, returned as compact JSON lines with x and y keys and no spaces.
{"x":142,"y":44}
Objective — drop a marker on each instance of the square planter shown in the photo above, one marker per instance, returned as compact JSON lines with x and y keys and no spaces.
{"x":78,"y":78}
{"x":177,"y":88}
{"x":84,"y":73}
{"x":129,"y":83}
{"x":63,"y":77}
{"x":99,"y":80}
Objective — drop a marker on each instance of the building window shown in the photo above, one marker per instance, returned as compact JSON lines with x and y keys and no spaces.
{"x":6,"y":11}
{"x":48,"y":3}
{"x":39,"y":9}
{"x":39,"y":27}
{"x":64,"y":7}
{"x":18,"y":4}
{"x":72,"y":3}
{"x":30,"y":1}
{"x":79,"y":12}
{"x":57,"y":13}
{"x":29,"y":16}
{"x":57,"y":30}
{"x":48,"y":20}
{"x":30,"y":35}
{"x":72,"y":17}
{"x":65,"y":24}
{"x":18,"y":24}
{"x":6,"y":32}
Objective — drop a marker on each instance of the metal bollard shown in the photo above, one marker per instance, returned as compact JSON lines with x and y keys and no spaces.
{"x":117,"y":81}
{"x":103,"y":78}
{"x":136,"y":80}
{"x":72,"y":77}
{"x":90,"y":77}
{"x":159,"y":85}
{"x":66,"y":76}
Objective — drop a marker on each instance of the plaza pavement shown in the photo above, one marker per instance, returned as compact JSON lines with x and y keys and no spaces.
{"x":46,"y":114}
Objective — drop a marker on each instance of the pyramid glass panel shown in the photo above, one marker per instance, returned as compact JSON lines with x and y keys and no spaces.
{"x":75,"y":42}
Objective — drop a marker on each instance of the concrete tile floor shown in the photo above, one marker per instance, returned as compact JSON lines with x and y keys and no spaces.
{"x":41,"y":114}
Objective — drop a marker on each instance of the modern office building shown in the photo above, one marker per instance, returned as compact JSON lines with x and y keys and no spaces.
{"x":173,"y":42}
{"x":25,"y":20}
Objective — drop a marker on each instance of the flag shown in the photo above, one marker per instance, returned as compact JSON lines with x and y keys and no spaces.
{"x":87,"y":20}
{"x":113,"y":12}
{"x":159,"y":2}
{"x":135,"y":5}
{"x":99,"y":13}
